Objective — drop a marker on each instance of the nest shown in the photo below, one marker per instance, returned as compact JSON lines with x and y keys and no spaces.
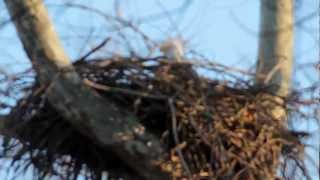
{"x":209,"y":129}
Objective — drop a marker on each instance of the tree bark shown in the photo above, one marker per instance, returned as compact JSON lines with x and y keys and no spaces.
{"x":93,"y":116}
{"x":274,"y":68}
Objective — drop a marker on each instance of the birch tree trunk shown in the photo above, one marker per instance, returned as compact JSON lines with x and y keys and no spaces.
{"x":274,"y":67}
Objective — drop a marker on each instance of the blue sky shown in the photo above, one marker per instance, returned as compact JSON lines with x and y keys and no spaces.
{"x":224,"y":31}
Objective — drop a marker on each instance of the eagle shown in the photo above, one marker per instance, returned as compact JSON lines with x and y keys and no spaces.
{"x":173,"y":49}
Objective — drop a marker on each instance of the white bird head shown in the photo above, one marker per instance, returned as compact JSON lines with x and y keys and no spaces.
{"x":173,"y":49}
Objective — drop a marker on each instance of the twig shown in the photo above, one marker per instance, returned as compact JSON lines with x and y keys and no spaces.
{"x":268,"y":77}
{"x":121,"y":90}
{"x":200,"y":132}
{"x":99,"y":46}
{"x":176,"y":138}
{"x":124,"y":22}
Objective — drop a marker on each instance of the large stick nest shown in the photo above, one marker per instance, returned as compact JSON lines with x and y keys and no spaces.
{"x":210,"y":129}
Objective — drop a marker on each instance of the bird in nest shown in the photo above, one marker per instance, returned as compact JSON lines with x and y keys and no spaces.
{"x":173,"y":49}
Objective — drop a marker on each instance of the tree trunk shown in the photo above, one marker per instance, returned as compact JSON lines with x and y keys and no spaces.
{"x":274,"y":68}
{"x":102,"y":121}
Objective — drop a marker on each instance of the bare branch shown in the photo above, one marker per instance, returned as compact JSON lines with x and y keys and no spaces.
{"x":96,"y":48}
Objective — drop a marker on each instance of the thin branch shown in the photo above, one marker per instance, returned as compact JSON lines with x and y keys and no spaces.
{"x":149,"y":43}
{"x":124,"y":91}
{"x":176,"y":138}
{"x":96,"y":48}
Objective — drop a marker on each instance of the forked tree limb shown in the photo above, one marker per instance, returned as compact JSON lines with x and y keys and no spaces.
{"x":93,"y":116}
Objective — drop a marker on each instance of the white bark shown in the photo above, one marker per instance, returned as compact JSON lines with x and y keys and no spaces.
{"x":274,"y":68}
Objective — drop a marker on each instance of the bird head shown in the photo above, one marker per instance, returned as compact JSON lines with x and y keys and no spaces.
{"x":173,"y":49}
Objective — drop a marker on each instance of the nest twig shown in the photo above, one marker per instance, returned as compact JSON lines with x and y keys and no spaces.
{"x":209,"y":128}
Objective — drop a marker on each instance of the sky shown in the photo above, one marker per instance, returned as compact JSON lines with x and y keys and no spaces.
{"x":224,"y":31}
